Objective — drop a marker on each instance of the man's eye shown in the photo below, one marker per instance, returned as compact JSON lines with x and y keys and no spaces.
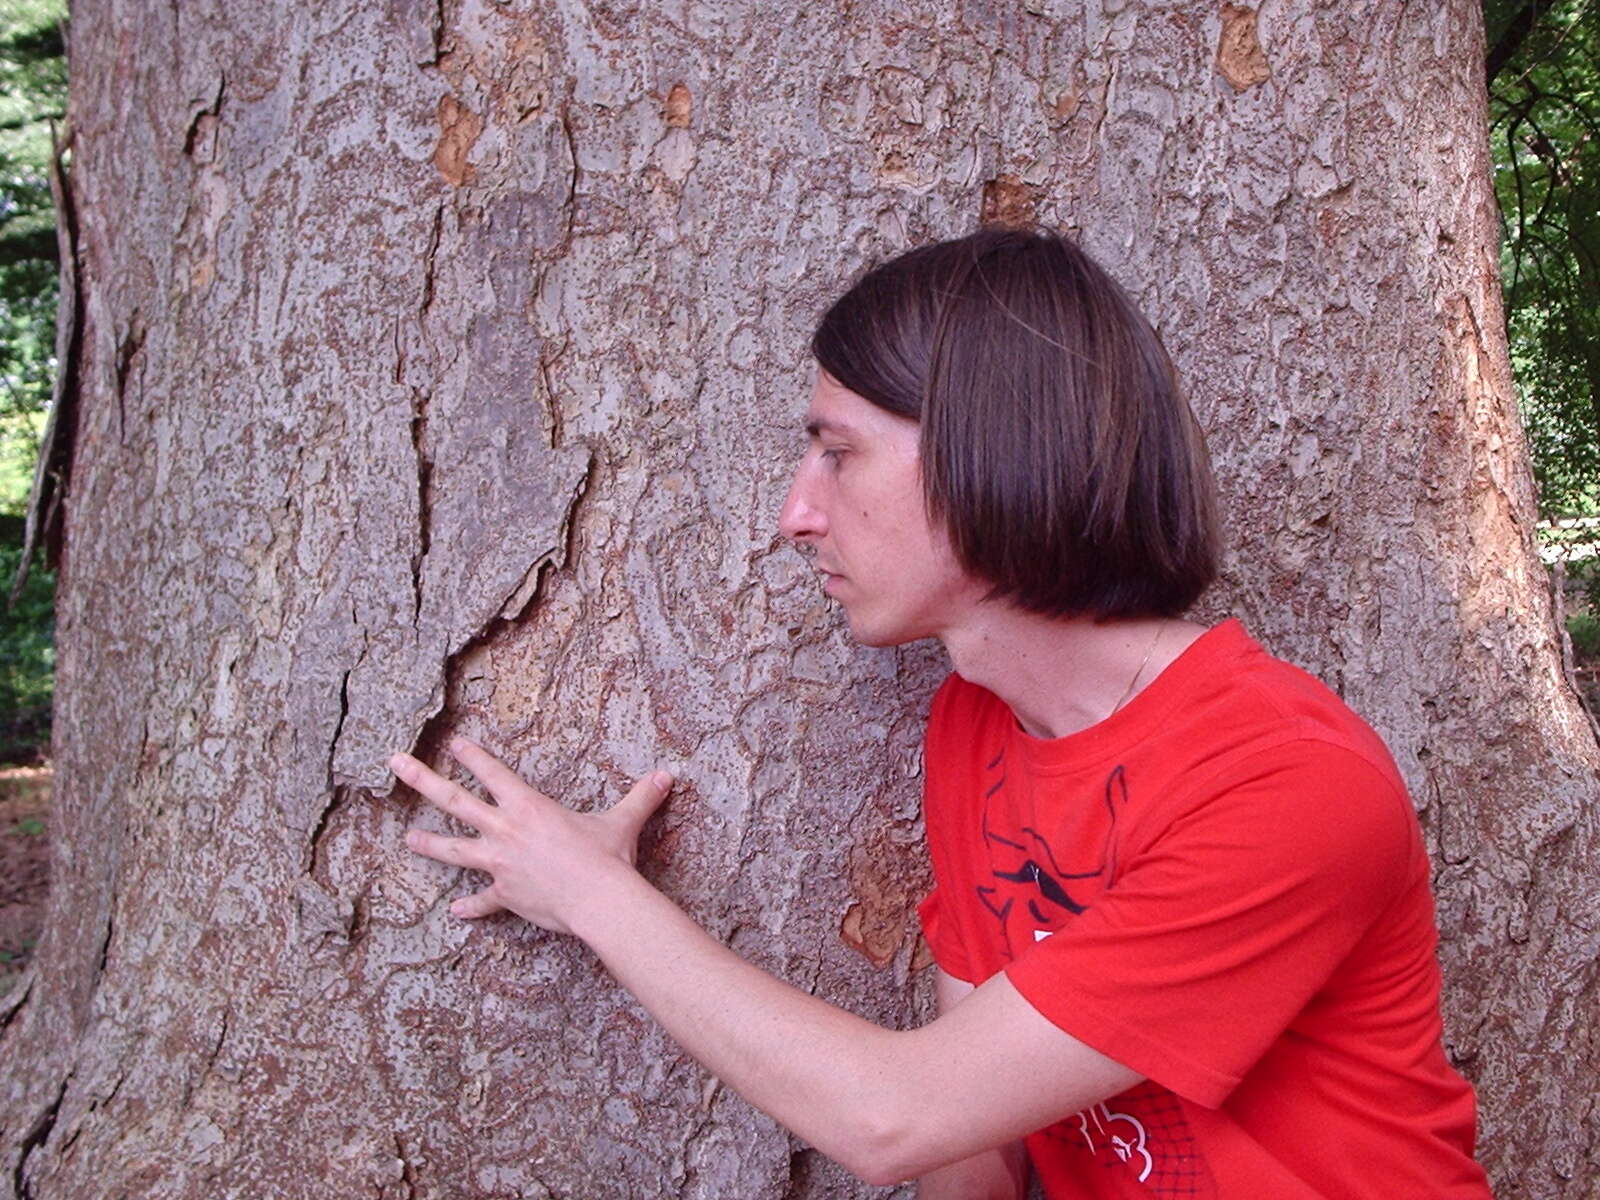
{"x":832,"y":456}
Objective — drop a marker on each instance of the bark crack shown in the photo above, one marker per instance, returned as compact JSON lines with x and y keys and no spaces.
{"x":421,"y":398}
{"x":419,"y":436}
{"x":105,"y":941}
{"x":570,"y":207}
{"x":337,"y":793}
{"x":344,"y":713}
{"x":195,"y":1080}
{"x":36,"y":1136}
{"x":408,"y":1173}
{"x":16,"y":1001}
{"x":197,"y":122}
{"x":436,"y":34}
{"x":553,"y":425}
{"x":129,"y":349}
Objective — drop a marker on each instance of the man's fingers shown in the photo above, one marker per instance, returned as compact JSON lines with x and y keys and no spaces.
{"x":479,"y":904}
{"x":642,"y":800}
{"x":441,"y":793}
{"x":503,"y":783}
{"x":458,"y":852}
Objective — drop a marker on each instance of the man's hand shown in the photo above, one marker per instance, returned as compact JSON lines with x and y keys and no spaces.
{"x":544,"y":860}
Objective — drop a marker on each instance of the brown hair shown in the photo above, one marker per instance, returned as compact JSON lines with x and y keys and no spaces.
{"x":1056,"y":446}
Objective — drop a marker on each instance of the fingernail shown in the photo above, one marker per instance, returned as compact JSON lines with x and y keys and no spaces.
{"x":411,"y":838}
{"x":662,"y":779}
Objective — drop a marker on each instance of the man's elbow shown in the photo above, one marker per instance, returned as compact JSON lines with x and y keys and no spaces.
{"x":883,"y":1151}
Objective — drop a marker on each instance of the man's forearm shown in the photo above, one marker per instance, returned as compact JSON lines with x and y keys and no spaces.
{"x":822,"y":1072}
{"x":888,"y":1105}
{"x":998,"y":1174}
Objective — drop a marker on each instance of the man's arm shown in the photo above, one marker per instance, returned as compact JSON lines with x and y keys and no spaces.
{"x":889,"y":1105}
{"x":997,"y":1174}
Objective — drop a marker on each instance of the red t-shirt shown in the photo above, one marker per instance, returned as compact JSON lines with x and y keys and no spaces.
{"x":1223,"y":887}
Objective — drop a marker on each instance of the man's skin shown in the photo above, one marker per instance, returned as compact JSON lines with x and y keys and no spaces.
{"x":934,"y":1102}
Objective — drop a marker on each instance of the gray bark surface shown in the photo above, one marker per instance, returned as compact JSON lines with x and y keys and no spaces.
{"x":440,"y":368}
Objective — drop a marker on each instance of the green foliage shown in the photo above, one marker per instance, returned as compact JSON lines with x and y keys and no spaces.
{"x":27,"y":661}
{"x":1543,"y":71}
{"x":1585,"y":573}
{"x":1584,"y":630}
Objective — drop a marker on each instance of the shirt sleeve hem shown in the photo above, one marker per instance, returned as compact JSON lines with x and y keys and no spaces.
{"x":1074,"y":1014}
{"x":948,"y":959}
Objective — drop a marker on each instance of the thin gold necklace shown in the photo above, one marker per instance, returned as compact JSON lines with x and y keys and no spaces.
{"x":1145,"y":662}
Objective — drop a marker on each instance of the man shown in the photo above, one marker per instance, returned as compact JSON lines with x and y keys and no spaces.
{"x":1182,"y":921}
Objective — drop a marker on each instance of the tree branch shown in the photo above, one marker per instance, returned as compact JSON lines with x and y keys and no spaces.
{"x":1510,"y":40}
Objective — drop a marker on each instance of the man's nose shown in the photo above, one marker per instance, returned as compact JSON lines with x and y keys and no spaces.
{"x":799,"y":519}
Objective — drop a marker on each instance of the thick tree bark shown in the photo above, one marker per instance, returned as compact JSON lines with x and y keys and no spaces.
{"x":440,"y":368}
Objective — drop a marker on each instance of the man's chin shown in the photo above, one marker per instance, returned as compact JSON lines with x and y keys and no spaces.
{"x":864,"y":633}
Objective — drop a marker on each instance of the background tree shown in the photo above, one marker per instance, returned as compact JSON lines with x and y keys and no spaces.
{"x":445,"y":375}
{"x":1543,"y":74}
{"x":32,"y":95}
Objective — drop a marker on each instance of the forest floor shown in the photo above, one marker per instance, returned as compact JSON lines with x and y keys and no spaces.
{"x":1586,"y":671}
{"x":24,"y":865}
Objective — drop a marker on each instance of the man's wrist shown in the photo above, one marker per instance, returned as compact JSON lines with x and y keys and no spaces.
{"x":614,"y":894}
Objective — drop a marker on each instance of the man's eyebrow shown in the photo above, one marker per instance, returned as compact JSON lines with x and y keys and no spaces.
{"x":817,"y":426}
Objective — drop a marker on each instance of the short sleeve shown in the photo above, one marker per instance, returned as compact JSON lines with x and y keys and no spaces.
{"x":1219,"y":931}
{"x":948,"y":788}
{"x":943,"y":941}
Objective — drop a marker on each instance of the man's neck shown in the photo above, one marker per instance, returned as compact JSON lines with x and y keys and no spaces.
{"x":1060,"y":676}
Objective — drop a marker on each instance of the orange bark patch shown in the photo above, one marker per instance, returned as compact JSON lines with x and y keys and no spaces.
{"x":680,"y":105}
{"x":875,"y":932}
{"x":1239,"y":55}
{"x":885,"y":884}
{"x":1007,"y":201}
{"x":459,"y":129}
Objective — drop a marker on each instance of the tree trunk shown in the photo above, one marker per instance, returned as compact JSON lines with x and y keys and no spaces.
{"x":440,"y":369}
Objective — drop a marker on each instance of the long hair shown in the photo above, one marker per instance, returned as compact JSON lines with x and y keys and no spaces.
{"x":1056,"y":446}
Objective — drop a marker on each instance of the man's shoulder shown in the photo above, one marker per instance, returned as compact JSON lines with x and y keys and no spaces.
{"x":1267,"y":705}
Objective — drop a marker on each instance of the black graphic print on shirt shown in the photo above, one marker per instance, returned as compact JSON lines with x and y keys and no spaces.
{"x":1045,"y":870}
{"x":1026,"y":869}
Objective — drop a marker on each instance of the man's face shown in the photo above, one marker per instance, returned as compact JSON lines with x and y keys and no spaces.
{"x":857,"y":502}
